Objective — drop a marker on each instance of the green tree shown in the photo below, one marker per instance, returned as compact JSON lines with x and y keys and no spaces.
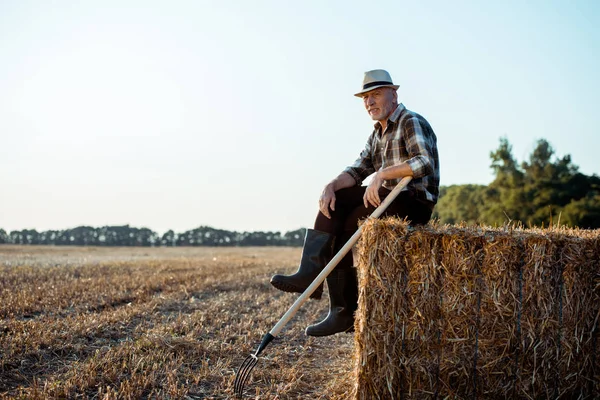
{"x":461,"y":203}
{"x":169,"y":238}
{"x":25,"y":236}
{"x":584,"y":213}
{"x":543,"y":190}
{"x":551,"y":184}
{"x":503,"y":199}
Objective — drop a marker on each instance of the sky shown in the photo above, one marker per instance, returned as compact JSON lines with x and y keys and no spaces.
{"x":235,"y":114}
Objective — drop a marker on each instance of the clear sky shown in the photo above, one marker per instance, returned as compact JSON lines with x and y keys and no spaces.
{"x":235,"y":114}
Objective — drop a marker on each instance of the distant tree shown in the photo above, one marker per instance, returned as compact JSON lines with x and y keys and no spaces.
{"x":3,"y":236}
{"x":505,"y":166}
{"x":206,"y":236}
{"x":82,"y":236}
{"x":503,"y":199}
{"x":124,"y":235}
{"x":295,"y":238}
{"x":546,"y":185}
{"x":461,"y":203}
{"x":106,"y":237}
{"x":63,"y":238}
{"x":255,"y":239}
{"x":25,"y":236}
{"x":130,"y":236}
{"x":169,"y":238}
{"x":146,"y":237}
{"x":551,"y":184}
{"x":543,"y":190}
{"x":584,"y":213}
{"x":49,"y":237}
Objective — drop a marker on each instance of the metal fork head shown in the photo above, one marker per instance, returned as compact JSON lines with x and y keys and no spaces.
{"x":243,"y":374}
{"x":248,"y":365}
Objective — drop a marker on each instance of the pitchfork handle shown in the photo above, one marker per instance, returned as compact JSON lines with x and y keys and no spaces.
{"x":336,"y":259}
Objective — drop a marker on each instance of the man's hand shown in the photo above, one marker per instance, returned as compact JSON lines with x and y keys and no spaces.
{"x":372,"y":193}
{"x":327,"y":200}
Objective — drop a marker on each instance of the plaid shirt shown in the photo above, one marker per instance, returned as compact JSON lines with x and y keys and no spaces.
{"x":407,"y":138}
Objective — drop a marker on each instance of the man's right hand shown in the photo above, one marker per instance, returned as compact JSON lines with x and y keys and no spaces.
{"x":327,"y":200}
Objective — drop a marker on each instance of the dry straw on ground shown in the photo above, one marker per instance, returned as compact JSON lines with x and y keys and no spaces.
{"x":465,"y":312}
{"x":157,"y":323}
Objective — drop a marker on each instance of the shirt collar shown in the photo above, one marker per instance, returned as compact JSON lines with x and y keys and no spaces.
{"x":394,"y":116}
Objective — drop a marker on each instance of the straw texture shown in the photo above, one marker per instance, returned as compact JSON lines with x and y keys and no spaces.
{"x":465,"y":312}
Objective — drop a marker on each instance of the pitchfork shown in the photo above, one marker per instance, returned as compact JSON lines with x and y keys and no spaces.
{"x":250,"y":362}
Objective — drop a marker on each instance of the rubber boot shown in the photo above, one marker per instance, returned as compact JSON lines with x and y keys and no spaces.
{"x":316,"y":253}
{"x":341,"y":311}
{"x":351,"y":288}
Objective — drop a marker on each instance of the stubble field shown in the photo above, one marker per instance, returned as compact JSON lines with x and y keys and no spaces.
{"x":172,"y":323}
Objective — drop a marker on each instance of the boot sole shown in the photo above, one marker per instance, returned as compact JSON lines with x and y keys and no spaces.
{"x":286,"y":287}
{"x":321,"y":334}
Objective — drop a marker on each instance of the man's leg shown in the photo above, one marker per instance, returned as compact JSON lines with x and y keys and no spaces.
{"x":346,"y":201}
{"x":342,"y":282}
{"x":317,"y":250}
{"x":316,"y":253}
{"x":404,"y":206}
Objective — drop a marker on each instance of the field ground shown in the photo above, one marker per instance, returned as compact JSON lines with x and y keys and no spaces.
{"x":104,"y":323}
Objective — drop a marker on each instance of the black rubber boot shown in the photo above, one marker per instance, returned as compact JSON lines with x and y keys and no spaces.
{"x":341,"y":310}
{"x":316,"y":253}
{"x":351,"y":288}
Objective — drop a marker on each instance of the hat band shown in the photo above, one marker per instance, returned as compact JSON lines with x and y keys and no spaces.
{"x":376,"y":83}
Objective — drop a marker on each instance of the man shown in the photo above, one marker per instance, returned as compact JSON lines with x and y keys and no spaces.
{"x":402,"y":144}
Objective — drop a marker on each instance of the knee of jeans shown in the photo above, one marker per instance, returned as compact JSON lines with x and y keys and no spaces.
{"x":349,"y":229}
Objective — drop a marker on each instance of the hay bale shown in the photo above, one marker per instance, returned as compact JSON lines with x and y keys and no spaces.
{"x":580,"y":308}
{"x":476,"y":312}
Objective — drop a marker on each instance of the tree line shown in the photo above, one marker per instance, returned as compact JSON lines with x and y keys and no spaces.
{"x":542,"y":191}
{"x":131,"y":236}
{"x":545,"y":190}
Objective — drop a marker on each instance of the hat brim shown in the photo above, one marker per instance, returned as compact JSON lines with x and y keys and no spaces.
{"x":360,"y":94}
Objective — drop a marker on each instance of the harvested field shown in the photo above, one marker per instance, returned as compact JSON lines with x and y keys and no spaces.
{"x":104,"y":323}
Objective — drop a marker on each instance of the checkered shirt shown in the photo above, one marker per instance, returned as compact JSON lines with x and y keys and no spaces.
{"x":408,"y":138}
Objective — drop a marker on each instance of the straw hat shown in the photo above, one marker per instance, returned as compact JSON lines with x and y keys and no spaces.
{"x":375,"y":79}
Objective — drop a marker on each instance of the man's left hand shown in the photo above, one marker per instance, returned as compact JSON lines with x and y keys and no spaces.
{"x":372,"y":194}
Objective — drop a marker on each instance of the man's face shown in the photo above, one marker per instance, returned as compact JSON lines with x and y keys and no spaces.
{"x":380,"y":102}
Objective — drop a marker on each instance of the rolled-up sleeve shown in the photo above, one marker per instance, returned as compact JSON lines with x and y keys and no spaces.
{"x":419,"y":147}
{"x":363,"y":166}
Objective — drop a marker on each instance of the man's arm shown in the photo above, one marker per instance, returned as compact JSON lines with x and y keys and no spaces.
{"x":420,"y":147}
{"x":363,"y":166}
{"x":351,"y":176}
{"x":395,"y":172}
{"x":342,"y":181}
{"x":392,"y":172}
{"x":327,"y":199}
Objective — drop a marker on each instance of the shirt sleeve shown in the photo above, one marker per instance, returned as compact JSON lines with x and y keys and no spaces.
{"x":419,"y":147}
{"x":363,"y":166}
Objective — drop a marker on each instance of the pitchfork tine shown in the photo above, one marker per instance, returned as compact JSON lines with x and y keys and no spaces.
{"x":244,"y":374}
{"x":248,"y":365}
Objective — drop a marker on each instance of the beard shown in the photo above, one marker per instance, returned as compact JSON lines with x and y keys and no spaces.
{"x":380,"y":114}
